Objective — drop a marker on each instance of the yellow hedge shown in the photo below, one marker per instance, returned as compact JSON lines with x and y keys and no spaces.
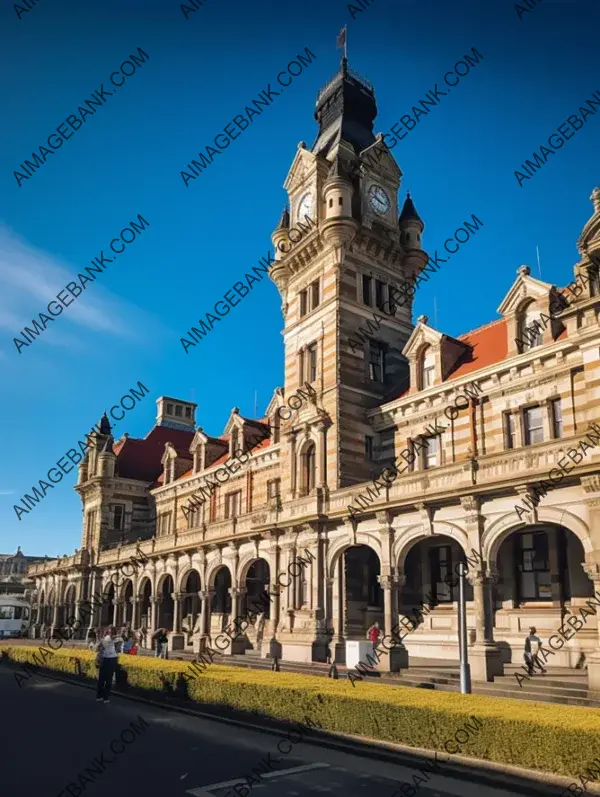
{"x":543,"y":736}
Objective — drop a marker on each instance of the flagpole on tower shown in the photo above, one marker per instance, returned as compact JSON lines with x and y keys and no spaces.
{"x":342,"y":41}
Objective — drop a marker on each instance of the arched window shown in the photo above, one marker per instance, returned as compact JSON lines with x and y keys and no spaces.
{"x":308,"y":467}
{"x":427,"y":368}
{"x":531,"y":330}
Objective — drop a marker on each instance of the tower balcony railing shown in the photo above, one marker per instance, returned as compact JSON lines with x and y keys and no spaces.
{"x":338,"y":76}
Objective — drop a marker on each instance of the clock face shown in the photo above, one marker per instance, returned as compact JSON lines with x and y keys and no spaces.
{"x":305,"y":208}
{"x":379,"y":200}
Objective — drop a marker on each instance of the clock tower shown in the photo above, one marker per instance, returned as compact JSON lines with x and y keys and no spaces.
{"x":342,"y":333}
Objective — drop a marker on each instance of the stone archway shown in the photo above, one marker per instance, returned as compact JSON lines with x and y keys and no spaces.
{"x":166,"y":607}
{"x":125,"y":598}
{"x":69,"y":605}
{"x":107,"y":608}
{"x":541,"y":581}
{"x":190,"y":588}
{"x":144,"y":597}
{"x":255,"y":582}
{"x":48,"y":614}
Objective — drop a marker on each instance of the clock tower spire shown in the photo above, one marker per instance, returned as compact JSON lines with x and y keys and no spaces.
{"x":342,"y":333}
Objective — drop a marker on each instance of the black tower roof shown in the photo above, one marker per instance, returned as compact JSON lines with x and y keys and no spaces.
{"x":409,"y":211}
{"x":346,"y":109}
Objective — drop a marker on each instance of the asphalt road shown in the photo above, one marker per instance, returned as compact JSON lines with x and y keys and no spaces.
{"x":54,"y":734}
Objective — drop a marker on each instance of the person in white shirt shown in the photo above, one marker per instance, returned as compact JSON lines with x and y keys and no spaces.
{"x":532,"y":648}
{"x":107,"y":662}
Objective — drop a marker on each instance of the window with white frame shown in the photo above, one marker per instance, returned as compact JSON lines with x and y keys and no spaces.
{"x":557,"y":419}
{"x":431,"y":452}
{"x":510,"y":430}
{"x":163,"y":524}
{"x":531,"y":329}
{"x":427,"y":368}
{"x":233,"y":504}
{"x":273,"y":487}
{"x":533,"y":423}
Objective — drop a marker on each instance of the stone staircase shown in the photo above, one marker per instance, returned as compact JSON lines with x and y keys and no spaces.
{"x":561,"y":685}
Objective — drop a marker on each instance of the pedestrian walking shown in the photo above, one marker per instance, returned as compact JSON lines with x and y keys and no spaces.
{"x":532,"y":650}
{"x":161,"y":642}
{"x":106,"y":661}
{"x":373,"y":634}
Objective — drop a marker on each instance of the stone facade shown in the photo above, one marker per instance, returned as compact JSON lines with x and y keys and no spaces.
{"x":478,"y":421}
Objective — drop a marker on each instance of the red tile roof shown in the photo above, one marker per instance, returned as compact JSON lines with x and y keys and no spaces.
{"x":141,"y":458}
{"x":488,"y":345}
{"x":224,"y":457}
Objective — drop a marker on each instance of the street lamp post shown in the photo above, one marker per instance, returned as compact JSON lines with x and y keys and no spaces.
{"x":465,"y":671}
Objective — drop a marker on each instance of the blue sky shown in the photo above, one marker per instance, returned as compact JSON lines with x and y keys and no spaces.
{"x":127,"y":159}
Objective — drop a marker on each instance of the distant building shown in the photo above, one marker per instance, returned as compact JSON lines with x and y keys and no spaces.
{"x":13,"y":572}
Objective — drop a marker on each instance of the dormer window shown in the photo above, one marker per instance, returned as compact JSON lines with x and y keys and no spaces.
{"x":234,"y":442}
{"x":531,"y":330}
{"x":178,"y":410}
{"x":169,"y":409}
{"x":427,"y":368}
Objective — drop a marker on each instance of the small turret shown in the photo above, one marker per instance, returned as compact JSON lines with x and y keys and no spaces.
{"x":107,"y":459}
{"x":280,"y":237}
{"x":339,"y":226}
{"x":411,"y":225}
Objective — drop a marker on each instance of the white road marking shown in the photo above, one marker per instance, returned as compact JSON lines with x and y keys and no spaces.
{"x":205,"y":791}
{"x":303,"y":768}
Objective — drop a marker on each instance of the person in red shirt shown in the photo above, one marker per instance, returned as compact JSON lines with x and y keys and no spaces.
{"x":373,"y":634}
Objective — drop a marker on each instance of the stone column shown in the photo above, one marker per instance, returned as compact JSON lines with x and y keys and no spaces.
{"x":176,"y":638}
{"x":206,"y":597}
{"x":286,"y":580}
{"x":116,"y":612}
{"x":55,"y":615}
{"x":293,"y":464}
{"x":339,"y":611}
{"x":322,"y":427}
{"x":135,"y":612}
{"x":76,"y":620}
{"x":554,"y":567}
{"x":395,"y":655}
{"x":275,"y":588}
{"x":154,"y":601}
{"x":593,"y":660}
{"x":485,"y":658}
{"x":238,"y":644}
{"x":91,"y":597}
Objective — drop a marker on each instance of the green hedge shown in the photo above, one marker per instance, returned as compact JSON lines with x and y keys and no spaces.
{"x":543,"y":736}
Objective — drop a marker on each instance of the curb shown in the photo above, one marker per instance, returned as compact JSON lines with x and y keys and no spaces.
{"x":486,"y":773}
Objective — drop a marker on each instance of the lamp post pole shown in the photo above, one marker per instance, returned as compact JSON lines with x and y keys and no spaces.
{"x":465,"y":671}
